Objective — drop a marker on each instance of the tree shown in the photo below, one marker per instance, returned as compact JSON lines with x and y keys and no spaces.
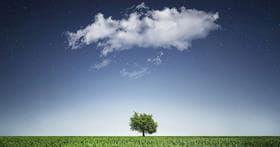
{"x":143,"y":123}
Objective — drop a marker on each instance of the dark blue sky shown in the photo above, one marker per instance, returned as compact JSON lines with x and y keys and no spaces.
{"x":225,"y":84}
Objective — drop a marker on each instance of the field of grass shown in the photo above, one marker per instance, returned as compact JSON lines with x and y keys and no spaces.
{"x":163,"y":141}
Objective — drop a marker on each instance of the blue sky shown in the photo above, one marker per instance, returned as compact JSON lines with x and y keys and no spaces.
{"x":220,"y":81}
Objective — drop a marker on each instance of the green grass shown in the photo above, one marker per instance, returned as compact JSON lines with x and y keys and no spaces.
{"x":160,"y":141}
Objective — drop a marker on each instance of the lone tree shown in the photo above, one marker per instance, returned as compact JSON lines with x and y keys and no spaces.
{"x":143,"y":123}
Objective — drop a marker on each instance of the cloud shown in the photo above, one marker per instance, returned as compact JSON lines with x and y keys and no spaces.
{"x":143,"y":27}
{"x":169,"y":28}
{"x":141,"y":6}
{"x":134,"y":74}
{"x":156,"y":60}
{"x":102,"y":64}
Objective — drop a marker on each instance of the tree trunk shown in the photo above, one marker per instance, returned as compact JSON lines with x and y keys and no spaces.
{"x":143,"y":133}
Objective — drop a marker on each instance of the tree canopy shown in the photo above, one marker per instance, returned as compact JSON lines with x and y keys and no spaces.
{"x":143,"y":123}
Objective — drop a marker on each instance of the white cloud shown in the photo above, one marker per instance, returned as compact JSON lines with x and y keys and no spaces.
{"x":167,"y":28}
{"x":102,"y":64}
{"x":156,"y":60}
{"x":134,"y":74}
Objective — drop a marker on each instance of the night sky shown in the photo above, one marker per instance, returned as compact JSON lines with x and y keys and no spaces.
{"x":225,"y":83}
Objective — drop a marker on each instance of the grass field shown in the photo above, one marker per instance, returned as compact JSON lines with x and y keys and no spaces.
{"x":141,"y":141}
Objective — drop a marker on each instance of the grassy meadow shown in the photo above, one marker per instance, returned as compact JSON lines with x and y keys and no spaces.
{"x":150,"y":141}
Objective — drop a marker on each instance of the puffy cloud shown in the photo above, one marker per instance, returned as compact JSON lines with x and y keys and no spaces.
{"x":134,"y":74}
{"x":167,"y":28}
{"x":102,"y":64}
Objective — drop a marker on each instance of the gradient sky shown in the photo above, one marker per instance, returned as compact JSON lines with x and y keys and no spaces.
{"x":225,"y":84}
